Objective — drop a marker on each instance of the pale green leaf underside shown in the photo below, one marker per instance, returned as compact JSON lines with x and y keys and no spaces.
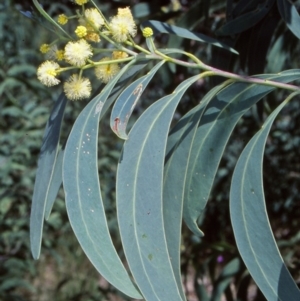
{"x":140,"y":200}
{"x":55,"y":183}
{"x":175,"y":173}
{"x":44,"y":175}
{"x":215,"y":128}
{"x":81,"y":183}
{"x":250,"y":222}
{"x":127,"y":101}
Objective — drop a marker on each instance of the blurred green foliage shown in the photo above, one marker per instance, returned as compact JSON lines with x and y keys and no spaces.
{"x":63,"y":272}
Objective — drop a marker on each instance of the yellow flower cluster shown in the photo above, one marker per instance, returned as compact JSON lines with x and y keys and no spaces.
{"x":93,"y":18}
{"x":107,"y":71}
{"x":81,"y":31}
{"x":78,"y":53}
{"x":147,"y":32}
{"x":47,"y":73}
{"x":77,"y":88}
{"x":122,"y":25}
{"x":62,"y":19}
{"x":45,"y":48}
{"x":81,"y":2}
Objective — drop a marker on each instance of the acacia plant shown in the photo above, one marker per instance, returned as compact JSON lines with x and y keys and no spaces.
{"x":164,"y":175}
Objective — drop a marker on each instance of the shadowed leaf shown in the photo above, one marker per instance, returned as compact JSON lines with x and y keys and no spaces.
{"x":290,"y":16}
{"x":215,"y":128}
{"x":250,"y":222}
{"x":246,"y":20}
{"x":44,"y":174}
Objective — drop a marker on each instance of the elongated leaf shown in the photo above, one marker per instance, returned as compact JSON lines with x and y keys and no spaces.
{"x":81,"y":183}
{"x":140,"y":200}
{"x":127,"y":101}
{"x":245,"y":21}
{"x":44,"y":174}
{"x":244,"y":6}
{"x":178,"y":152}
{"x":55,"y":183}
{"x":250,"y":222}
{"x":215,"y":128}
{"x":160,"y":27}
{"x":290,"y":16}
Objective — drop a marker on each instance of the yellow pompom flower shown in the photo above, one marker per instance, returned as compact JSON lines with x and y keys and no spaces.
{"x":77,"y":88}
{"x":119,"y":55}
{"x":44,"y":48}
{"x":81,"y":2}
{"x":93,"y":37}
{"x":62,"y":19}
{"x":94,"y":18}
{"x":81,"y":31}
{"x":59,"y":55}
{"x":122,"y":25}
{"x":47,"y":72}
{"x":147,"y":32}
{"x":76,"y":53}
{"x":106,"y":72}
{"x":125,"y":12}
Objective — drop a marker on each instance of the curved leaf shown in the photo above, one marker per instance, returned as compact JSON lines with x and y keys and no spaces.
{"x":81,"y":183}
{"x":215,"y":128}
{"x":160,"y":27}
{"x":44,"y":174}
{"x":175,"y":172}
{"x":55,"y":183}
{"x":245,"y":21}
{"x":290,"y":16}
{"x":250,"y":222}
{"x":127,"y":101}
{"x":140,"y":200}
{"x":244,"y":6}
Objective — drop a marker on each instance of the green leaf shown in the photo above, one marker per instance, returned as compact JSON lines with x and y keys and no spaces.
{"x":127,"y":101}
{"x":250,"y":222}
{"x":246,"y":20}
{"x":160,"y":27}
{"x":244,"y":6}
{"x":290,"y":16}
{"x":140,"y":200}
{"x":55,"y":183}
{"x":44,"y":174}
{"x":81,"y":183}
{"x":175,"y":172}
{"x":215,"y":128}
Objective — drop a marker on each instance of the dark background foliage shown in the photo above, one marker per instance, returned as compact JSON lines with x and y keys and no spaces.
{"x":63,"y":272}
